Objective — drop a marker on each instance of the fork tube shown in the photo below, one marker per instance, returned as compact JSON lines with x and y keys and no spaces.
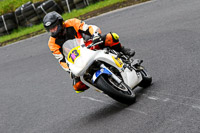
{"x":112,"y":74}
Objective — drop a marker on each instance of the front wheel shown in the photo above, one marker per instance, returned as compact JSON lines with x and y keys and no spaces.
{"x":120,"y":92}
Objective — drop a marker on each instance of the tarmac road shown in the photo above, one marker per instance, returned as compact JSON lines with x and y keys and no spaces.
{"x":36,"y":95}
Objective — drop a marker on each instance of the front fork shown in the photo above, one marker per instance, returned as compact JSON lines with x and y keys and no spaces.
{"x":117,"y":79}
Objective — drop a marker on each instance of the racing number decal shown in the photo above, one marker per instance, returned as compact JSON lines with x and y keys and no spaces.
{"x":73,"y":54}
{"x":118,"y":62}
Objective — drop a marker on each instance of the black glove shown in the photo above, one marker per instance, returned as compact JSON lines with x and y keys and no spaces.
{"x":96,"y":37}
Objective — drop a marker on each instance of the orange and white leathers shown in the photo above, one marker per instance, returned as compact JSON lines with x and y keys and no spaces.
{"x":78,"y":26}
{"x":55,"y":45}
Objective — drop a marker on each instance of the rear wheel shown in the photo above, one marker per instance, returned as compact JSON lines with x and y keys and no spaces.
{"x":146,"y":78}
{"x":120,"y":92}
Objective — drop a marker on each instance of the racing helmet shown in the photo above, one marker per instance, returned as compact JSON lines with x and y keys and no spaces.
{"x":53,"y":23}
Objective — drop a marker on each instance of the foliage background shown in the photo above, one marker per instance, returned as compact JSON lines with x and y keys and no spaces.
{"x":8,"y":6}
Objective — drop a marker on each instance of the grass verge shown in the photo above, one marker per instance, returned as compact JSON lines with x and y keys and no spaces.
{"x":7,"y":6}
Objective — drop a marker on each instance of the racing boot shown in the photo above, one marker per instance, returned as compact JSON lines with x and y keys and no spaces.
{"x":128,"y":51}
{"x":112,"y":40}
{"x":78,"y":85}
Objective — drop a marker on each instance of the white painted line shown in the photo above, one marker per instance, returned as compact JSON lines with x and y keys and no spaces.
{"x":129,"y":109}
{"x":153,"y":98}
{"x":180,"y":96}
{"x":93,"y":99}
{"x":172,"y":101}
{"x":166,"y":99}
{"x":196,"y":106}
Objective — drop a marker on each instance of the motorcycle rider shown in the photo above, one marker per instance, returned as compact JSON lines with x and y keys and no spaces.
{"x":61,"y":31}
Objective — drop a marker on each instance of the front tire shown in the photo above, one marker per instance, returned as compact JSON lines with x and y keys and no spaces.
{"x":124,"y":94}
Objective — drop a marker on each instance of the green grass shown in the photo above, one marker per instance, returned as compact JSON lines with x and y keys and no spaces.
{"x":101,"y":4}
{"x":75,"y":13}
{"x":21,"y":32}
{"x":7,"y":6}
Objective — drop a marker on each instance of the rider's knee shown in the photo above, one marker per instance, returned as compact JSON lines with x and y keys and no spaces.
{"x":111,"y":39}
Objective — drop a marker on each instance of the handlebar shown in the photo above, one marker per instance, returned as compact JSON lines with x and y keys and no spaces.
{"x":94,"y":44}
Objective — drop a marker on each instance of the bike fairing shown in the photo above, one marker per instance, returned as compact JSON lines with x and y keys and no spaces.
{"x":80,"y":65}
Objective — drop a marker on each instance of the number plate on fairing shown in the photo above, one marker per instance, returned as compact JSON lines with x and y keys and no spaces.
{"x":73,"y":54}
{"x":118,"y":61}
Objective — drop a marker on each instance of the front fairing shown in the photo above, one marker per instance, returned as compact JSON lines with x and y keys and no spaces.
{"x":77,"y":56}
{"x":71,"y":49}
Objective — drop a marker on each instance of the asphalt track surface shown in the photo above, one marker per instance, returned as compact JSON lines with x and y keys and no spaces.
{"x":36,"y":95}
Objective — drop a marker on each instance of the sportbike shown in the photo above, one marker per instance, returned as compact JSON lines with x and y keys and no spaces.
{"x":106,"y":70}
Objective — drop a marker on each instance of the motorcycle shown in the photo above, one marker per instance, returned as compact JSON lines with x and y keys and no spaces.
{"x":106,"y":70}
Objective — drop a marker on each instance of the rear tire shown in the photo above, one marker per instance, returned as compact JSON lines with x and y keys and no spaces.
{"x":127,"y":96}
{"x":146,"y":78}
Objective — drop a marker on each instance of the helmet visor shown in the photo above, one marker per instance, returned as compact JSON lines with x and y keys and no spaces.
{"x":49,"y":25}
{"x":54,"y":31}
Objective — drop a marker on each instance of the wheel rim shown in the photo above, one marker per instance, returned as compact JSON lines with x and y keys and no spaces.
{"x":121,"y":87}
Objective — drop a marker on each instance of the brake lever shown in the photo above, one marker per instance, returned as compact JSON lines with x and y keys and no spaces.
{"x":94,"y":44}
